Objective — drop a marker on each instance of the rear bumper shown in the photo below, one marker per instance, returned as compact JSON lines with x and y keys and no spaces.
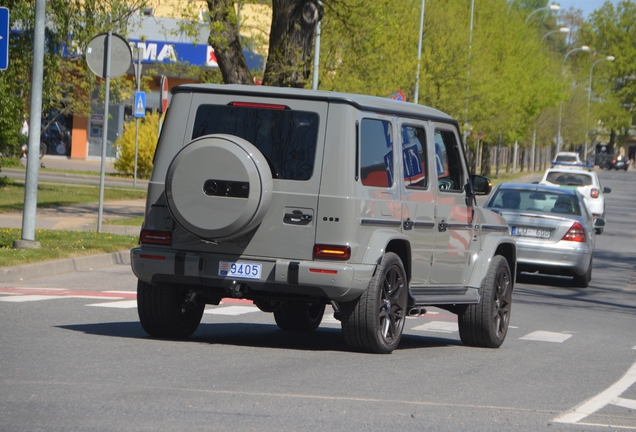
{"x":557,"y":261}
{"x":280,"y":277}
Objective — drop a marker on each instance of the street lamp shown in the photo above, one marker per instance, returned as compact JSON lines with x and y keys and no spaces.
{"x":559,"y":30}
{"x":419,"y":55}
{"x":552,"y":7}
{"x":583,"y":48}
{"x":589,"y":98}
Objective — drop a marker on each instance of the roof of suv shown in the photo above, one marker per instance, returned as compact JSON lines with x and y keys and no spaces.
{"x":363,"y":102}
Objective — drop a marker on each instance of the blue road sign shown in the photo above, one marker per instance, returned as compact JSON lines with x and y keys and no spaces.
{"x":140,"y":104}
{"x":4,"y":38}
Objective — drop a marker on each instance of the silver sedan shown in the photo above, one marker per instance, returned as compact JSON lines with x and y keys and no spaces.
{"x":554,"y":231}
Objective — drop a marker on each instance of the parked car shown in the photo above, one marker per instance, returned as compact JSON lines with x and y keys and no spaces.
{"x":296,"y":199}
{"x":586,"y":182}
{"x":57,"y":138}
{"x":619,"y":162}
{"x":552,"y":226}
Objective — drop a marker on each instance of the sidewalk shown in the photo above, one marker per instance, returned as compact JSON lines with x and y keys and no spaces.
{"x":76,"y":218}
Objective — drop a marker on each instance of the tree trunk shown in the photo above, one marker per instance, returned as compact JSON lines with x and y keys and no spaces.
{"x":485,"y":158}
{"x":291,"y":41}
{"x":224,"y":38}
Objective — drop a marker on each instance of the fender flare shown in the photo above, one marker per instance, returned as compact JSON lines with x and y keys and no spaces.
{"x":500,"y":245}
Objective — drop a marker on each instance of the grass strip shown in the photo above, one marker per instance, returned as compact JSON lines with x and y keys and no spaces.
{"x":60,"y":194}
{"x":57,"y":244}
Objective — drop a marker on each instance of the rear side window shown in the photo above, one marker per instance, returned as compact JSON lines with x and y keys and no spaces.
{"x":376,"y":153}
{"x":414,"y":156}
{"x":286,"y":138}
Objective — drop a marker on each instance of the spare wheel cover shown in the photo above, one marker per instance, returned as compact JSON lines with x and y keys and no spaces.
{"x":219,"y":187}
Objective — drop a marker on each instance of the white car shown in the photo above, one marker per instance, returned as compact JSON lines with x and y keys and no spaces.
{"x":569,"y":158}
{"x":583,"y":180}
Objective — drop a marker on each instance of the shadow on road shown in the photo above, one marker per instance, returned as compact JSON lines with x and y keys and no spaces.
{"x":256,"y":335}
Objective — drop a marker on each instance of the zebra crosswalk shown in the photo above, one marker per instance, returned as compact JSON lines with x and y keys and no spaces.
{"x":433,"y":321}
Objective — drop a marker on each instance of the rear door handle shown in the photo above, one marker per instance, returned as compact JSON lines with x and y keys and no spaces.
{"x":297,"y":217}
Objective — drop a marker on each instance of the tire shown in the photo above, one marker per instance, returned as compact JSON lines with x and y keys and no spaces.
{"x":485,"y":324}
{"x":583,"y":281}
{"x":298,"y":316}
{"x":374,"y":322}
{"x":161,"y":312}
{"x":219,"y":187}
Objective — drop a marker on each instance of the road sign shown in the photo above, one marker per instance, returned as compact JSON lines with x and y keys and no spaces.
{"x":164,"y":94}
{"x":4,"y":38}
{"x":140,"y":104}
{"x":120,"y":55}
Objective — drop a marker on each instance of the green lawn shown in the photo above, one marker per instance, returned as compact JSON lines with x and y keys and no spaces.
{"x":61,"y":194}
{"x":60,"y":244}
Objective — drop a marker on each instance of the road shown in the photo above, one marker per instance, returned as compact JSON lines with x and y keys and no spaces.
{"x":74,"y":357}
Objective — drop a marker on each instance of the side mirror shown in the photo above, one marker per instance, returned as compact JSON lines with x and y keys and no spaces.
{"x":599,"y":223}
{"x":606,"y":190}
{"x":481,"y":184}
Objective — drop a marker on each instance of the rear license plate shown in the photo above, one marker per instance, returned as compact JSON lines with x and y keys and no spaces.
{"x":240,"y":270}
{"x":531,"y":232}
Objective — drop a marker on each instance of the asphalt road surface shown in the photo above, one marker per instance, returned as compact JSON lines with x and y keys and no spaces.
{"x":73,"y":356}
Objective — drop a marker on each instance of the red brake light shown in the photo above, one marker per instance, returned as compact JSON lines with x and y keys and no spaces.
{"x":594,"y":193}
{"x":258,"y":105}
{"x":575,"y":233}
{"x":332,"y":252}
{"x":155,"y":237}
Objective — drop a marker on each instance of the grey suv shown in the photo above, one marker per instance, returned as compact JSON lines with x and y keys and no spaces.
{"x":298,"y":199}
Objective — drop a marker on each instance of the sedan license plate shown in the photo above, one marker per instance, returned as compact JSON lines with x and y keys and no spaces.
{"x":531,"y":232}
{"x":240,"y":270}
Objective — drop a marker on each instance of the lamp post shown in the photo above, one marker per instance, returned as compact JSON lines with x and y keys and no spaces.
{"x":552,"y":7}
{"x":589,"y":98}
{"x":559,"y":30}
{"x":583,"y":48}
{"x":419,"y":55}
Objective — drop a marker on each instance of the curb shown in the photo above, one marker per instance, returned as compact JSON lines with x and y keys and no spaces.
{"x":46,"y":268}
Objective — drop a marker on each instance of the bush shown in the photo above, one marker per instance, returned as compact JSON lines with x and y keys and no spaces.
{"x":125,"y":147}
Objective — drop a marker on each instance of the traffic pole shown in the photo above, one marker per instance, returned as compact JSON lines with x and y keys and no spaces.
{"x":33,"y":150}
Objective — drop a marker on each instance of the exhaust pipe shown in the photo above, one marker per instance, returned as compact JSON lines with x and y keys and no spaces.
{"x":416,"y":311}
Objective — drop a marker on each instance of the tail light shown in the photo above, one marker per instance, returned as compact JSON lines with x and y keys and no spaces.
{"x":576,"y":233}
{"x":155,"y":237}
{"x":594,"y":193}
{"x":332,"y":252}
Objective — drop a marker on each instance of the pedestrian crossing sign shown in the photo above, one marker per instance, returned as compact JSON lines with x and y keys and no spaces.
{"x":140,"y":104}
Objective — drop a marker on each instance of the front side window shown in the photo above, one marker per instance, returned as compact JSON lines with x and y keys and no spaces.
{"x":376,"y":153}
{"x":448,"y":161}
{"x":414,"y":156}
{"x":286,"y":138}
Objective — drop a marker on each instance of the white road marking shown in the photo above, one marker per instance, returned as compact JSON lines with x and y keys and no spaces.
{"x":329,"y":319}
{"x":545,"y":336}
{"x":231,"y":310}
{"x":123,"y":304}
{"x":608,"y":397}
{"x":27,"y":298}
{"x":438,"y":327}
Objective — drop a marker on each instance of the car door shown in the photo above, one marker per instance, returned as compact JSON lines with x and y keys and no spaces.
{"x":454,"y":230}
{"x":418,"y":198}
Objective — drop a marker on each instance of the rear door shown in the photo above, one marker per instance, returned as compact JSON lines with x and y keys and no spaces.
{"x":418,"y":197}
{"x":290,"y":134}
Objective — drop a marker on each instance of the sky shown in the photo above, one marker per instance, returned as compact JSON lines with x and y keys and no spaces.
{"x":587,"y":6}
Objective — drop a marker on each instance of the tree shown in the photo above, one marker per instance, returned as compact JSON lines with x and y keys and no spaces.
{"x":611,"y":31}
{"x":290,"y":42}
{"x":68,"y":84}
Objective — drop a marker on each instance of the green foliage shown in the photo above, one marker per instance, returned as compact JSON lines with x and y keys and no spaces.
{"x":147,"y":143}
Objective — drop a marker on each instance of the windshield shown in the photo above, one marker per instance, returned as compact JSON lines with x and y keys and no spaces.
{"x":286,"y":138}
